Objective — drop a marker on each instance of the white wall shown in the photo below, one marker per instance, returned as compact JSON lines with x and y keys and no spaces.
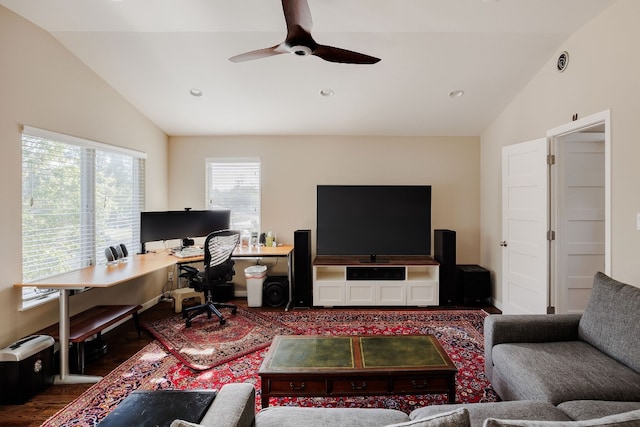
{"x":292,"y":166}
{"x":43,"y":85}
{"x":602,"y":74}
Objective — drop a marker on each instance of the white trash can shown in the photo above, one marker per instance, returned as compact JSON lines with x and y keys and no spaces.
{"x":255,"y":276}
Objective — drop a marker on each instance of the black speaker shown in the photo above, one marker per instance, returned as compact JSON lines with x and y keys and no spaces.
{"x":302,"y":273}
{"x":275,"y":291}
{"x":475,"y":284}
{"x":111,"y":254}
{"x":444,"y":251}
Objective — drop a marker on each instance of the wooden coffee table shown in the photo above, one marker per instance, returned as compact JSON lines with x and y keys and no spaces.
{"x":311,"y":365}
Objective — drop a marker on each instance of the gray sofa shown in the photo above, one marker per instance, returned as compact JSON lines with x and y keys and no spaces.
{"x":550,"y":370}
{"x":563,"y":358}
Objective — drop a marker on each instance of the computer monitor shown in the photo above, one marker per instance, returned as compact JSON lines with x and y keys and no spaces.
{"x":168,"y":225}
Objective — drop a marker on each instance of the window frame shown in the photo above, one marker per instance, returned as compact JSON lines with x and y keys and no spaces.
{"x":210,"y":203}
{"x":87,"y":222}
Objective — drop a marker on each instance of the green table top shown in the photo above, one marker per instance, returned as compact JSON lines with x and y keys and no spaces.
{"x":363,"y":351}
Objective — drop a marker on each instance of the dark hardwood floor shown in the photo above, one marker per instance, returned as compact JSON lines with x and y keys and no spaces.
{"x":123,"y":342}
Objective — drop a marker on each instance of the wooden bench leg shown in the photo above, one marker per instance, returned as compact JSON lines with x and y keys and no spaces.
{"x":80,"y":356}
{"x":136,"y":322}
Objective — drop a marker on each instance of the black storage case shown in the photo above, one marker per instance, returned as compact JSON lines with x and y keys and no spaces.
{"x":26,"y":368}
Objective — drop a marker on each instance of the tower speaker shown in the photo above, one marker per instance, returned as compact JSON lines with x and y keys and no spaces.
{"x":275,"y":291}
{"x":302,"y":273}
{"x":444,"y":251}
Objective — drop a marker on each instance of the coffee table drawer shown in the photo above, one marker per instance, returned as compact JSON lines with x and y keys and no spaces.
{"x":418,"y":384}
{"x":296,"y":387}
{"x":360,"y":386}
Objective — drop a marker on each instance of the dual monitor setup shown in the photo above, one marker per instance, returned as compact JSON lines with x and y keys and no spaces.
{"x":185,"y":225}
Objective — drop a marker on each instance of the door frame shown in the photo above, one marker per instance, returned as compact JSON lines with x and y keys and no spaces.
{"x":554,"y":136}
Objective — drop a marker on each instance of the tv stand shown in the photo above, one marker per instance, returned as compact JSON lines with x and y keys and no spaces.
{"x":393,"y":281}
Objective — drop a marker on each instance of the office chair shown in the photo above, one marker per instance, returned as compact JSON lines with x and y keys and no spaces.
{"x":218,"y":270}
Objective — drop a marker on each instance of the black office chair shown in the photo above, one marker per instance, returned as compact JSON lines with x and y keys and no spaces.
{"x":218,"y":270}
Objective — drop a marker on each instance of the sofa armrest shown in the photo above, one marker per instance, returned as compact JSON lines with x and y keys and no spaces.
{"x":234,"y":406}
{"x":526,"y":328}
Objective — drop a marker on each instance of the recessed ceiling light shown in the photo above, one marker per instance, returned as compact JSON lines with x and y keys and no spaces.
{"x":456,"y":93}
{"x":326,"y":92}
{"x":195,"y":92}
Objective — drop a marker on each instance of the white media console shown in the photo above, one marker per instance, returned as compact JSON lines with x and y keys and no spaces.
{"x":393,"y":281}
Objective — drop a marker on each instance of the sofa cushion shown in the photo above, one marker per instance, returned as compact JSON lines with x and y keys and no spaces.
{"x":455,"y":418}
{"x":588,"y":409}
{"x":610,"y":320}
{"x":626,"y":419}
{"x":293,"y":416}
{"x":478,"y":412}
{"x":560,"y":371}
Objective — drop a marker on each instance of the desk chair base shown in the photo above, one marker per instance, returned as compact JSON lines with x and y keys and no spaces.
{"x":210,"y":308}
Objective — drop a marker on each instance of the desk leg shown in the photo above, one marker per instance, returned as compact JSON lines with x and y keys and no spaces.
{"x":65,"y":377}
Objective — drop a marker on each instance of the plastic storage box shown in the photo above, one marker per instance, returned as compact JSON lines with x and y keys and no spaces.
{"x":26,"y":368}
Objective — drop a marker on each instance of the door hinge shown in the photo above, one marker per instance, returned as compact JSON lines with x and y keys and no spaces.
{"x":551,"y":159}
{"x":551,"y":235}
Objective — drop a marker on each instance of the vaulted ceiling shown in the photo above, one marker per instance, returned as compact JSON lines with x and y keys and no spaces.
{"x":154,"y":52}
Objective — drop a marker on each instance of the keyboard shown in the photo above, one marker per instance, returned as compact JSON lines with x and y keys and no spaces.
{"x":189,"y":252}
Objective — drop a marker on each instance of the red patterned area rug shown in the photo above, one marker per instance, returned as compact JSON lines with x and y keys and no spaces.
{"x":207,"y":343}
{"x":154,"y":368}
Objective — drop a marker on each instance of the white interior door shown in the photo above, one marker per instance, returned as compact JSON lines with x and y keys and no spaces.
{"x":525,"y":217}
{"x":578,"y":217}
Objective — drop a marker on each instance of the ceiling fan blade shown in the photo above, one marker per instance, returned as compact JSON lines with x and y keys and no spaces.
{"x":297,"y":14}
{"x":335,"y":54}
{"x":259,"y":54}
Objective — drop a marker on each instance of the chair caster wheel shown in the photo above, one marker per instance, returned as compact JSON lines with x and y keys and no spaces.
{"x":234,"y":310}
{"x":188,"y":324}
{"x":223,"y":321}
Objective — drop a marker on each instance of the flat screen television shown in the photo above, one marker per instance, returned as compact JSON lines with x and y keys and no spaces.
{"x":373,"y":221}
{"x":169,"y":225}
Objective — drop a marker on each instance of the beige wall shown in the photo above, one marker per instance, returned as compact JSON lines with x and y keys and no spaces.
{"x":292,"y":166}
{"x":602,"y":74}
{"x":43,"y":85}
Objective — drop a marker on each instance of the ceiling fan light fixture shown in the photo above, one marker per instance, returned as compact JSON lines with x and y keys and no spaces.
{"x":327,"y":92}
{"x":195,"y":92}
{"x":458,"y":93}
{"x":300,"y":50}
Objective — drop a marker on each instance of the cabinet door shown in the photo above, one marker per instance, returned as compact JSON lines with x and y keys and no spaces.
{"x":422,"y":293}
{"x":361,"y":293}
{"x":391,"y":292}
{"x":328,"y":293}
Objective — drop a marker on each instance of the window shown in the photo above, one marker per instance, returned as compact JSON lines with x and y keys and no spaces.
{"x":78,"y":198}
{"x":235,"y":184}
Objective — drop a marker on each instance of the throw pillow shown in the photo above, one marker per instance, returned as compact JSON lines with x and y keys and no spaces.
{"x":625,"y":419}
{"x":182,"y":423}
{"x":457,"y":418}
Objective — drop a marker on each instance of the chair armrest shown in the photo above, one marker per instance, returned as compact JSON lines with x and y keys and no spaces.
{"x":234,"y":406}
{"x":527,"y":328}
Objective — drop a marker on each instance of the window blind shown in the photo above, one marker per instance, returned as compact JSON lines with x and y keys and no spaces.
{"x":234,"y":183}
{"x":78,"y":198}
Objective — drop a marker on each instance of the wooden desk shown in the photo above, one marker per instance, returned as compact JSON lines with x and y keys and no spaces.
{"x":96,"y":276}
{"x":104,"y":276}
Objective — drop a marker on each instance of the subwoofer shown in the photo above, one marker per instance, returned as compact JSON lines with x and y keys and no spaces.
{"x":444,"y":251}
{"x":302,"y":273}
{"x":275,"y":291}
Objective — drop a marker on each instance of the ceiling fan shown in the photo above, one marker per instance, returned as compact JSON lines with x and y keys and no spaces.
{"x":299,"y":40}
